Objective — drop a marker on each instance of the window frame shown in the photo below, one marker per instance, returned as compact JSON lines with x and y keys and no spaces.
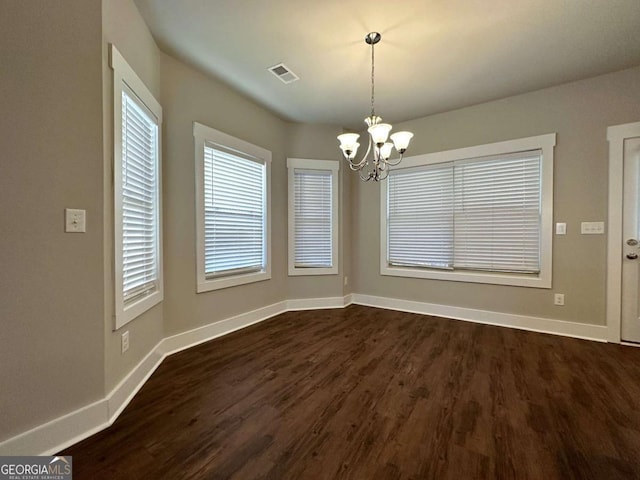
{"x":332,"y":166}
{"x":202,"y":135}
{"x":546,"y":144}
{"x":124,"y":74}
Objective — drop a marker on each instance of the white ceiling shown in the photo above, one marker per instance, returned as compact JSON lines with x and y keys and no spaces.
{"x":435,"y":55}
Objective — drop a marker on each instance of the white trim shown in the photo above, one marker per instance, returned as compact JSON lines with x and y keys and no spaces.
{"x":324,"y":165}
{"x":318,"y":303}
{"x":191,"y":338}
{"x":516,"y":145}
{"x":522,"y":322}
{"x":61,"y":432}
{"x":616,"y":135}
{"x":203,"y":134}
{"x":123,"y":393}
{"x":543,"y":280}
{"x":124,"y":74}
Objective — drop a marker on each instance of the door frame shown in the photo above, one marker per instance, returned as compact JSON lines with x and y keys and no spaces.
{"x":616,"y":135}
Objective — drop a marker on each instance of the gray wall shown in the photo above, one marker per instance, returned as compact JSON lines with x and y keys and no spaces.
{"x":51,"y":282}
{"x":188,"y":96}
{"x":319,"y":142}
{"x":580,"y":113}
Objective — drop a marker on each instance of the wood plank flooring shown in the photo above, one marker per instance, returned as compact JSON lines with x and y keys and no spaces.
{"x":363,"y":393}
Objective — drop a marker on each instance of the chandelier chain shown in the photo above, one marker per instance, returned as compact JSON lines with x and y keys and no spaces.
{"x":372,"y":80}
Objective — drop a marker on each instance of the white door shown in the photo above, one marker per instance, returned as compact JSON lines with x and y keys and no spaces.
{"x":630,"y":327}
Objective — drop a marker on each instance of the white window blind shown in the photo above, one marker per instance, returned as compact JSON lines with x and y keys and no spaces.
{"x":497,"y":213}
{"x":139,"y":200}
{"x":234,"y":212}
{"x":474,"y":214}
{"x":313,"y":218}
{"x":420,"y":217}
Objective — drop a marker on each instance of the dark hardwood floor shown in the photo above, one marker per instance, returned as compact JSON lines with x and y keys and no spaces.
{"x":363,"y":393}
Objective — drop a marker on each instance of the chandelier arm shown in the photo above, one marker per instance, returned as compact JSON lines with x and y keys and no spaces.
{"x":366,"y":155}
{"x":393,"y":164}
{"x":361,"y":163}
{"x":366,"y":178}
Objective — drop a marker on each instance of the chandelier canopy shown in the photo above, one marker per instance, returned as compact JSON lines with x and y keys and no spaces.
{"x":375,"y":168}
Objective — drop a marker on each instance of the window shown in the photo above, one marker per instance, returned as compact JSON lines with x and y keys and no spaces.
{"x":479,"y":214}
{"x":137,"y":202}
{"x":313,"y":216}
{"x":232,"y":205}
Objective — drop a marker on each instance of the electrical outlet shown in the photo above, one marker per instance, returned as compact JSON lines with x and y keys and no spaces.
{"x":346,"y":280}
{"x":125,"y":341}
{"x":558,"y":299}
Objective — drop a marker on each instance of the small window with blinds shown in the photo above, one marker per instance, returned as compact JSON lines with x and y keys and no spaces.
{"x":232,"y":187}
{"x":480,"y":214}
{"x":234,"y":212}
{"x":313,"y":218}
{"x":137,"y":202}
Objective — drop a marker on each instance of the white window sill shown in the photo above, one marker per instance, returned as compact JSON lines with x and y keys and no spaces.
{"x":128,"y":313}
{"x":207,"y":285}
{"x":297,"y":271}
{"x":513,"y":279}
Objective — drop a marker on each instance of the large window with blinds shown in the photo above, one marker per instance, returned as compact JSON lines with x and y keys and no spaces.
{"x":232,"y":195}
{"x":313,"y":216}
{"x":137,"y":201}
{"x":479,"y":214}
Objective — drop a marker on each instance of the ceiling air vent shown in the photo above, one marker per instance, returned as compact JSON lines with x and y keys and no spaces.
{"x":284,"y":73}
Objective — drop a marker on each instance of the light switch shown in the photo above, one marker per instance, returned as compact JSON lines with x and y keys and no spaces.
{"x":561,"y":228}
{"x":592,"y":228}
{"x":75,"y":220}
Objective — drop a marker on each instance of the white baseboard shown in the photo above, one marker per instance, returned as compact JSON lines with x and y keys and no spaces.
{"x":535,"y":324}
{"x":318,"y":303}
{"x":124,"y":392}
{"x":194,"y":337}
{"x":75,"y":426}
{"x":59,"y":433}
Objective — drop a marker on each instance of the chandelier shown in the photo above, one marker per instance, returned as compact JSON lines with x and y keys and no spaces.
{"x":375,"y":168}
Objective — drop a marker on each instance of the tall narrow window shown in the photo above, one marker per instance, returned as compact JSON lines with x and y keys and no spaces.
{"x":138,"y":259}
{"x":234,"y":213}
{"x":313,"y":217}
{"x":232,"y":179}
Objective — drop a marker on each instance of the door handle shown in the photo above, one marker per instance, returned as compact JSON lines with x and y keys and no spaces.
{"x":632,"y":256}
